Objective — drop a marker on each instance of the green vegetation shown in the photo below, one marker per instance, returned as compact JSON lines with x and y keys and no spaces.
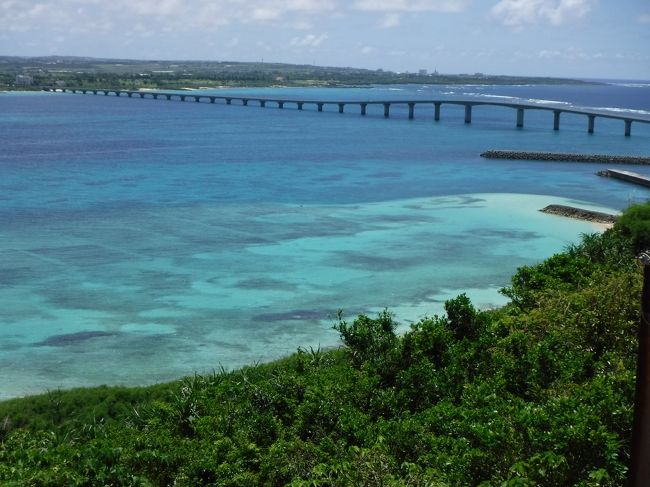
{"x":539,"y":392}
{"x":132,"y":74}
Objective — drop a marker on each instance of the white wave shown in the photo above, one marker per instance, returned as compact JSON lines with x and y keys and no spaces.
{"x":632,"y":85}
{"x":548,"y":102}
{"x":483,"y":95}
{"x":622,"y":110}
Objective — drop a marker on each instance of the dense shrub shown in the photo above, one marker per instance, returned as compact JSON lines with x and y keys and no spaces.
{"x":635,"y":223}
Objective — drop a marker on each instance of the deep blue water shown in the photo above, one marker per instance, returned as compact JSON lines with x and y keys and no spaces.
{"x":141,"y":240}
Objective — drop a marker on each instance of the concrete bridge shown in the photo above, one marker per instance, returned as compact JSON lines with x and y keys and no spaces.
{"x":520,"y":108}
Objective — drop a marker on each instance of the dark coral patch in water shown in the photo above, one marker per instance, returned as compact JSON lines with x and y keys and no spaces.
{"x":73,"y":338}
{"x":266,"y":283}
{"x":296,"y":314}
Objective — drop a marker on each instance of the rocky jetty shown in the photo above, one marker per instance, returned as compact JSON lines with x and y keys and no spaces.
{"x":565,"y":157}
{"x":581,"y":214}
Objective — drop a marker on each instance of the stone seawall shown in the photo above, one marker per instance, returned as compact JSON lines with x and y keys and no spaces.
{"x":565,"y":157}
{"x":581,"y":214}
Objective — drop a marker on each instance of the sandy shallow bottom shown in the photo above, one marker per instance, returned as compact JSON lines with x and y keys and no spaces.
{"x":119,"y":296}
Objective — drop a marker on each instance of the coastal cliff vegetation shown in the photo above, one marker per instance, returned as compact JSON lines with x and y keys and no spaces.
{"x":537,"y":393}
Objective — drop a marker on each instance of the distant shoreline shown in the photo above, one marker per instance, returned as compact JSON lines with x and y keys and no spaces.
{"x":93,"y":73}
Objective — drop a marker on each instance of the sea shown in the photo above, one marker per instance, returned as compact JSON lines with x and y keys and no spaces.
{"x":145,"y":240}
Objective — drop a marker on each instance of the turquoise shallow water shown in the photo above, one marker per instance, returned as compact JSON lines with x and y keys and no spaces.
{"x":143,"y":240}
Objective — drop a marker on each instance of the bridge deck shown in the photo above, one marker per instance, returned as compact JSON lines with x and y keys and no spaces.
{"x":591,"y":114}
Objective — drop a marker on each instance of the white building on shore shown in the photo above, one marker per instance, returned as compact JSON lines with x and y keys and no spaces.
{"x":24,"y":80}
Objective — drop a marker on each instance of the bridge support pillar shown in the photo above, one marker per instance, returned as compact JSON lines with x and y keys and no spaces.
{"x":212,"y":98}
{"x":262,"y":103}
{"x":182,"y":97}
{"x":628,"y":128}
{"x":556,"y":119}
{"x":386,"y":110}
{"x":363,"y":108}
{"x":94,"y":92}
{"x":244,"y":102}
{"x":341,"y":107}
{"x":169,"y":97}
{"x":436,"y":115}
{"x":300,"y":104}
{"x":320,"y":107}
{"x":411,"y":111}
{"x":468,"y":113}
{"x":520,"y":117}
{"x":155,"y":96}
{"x":228,"y":101}
{"x":280,"y":104}
{"x":590,"y":124}
{"x":197,"y":98}
{"x":105,"y":93}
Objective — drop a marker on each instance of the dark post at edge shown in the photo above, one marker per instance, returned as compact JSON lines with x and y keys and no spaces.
{"x":640,"y":466}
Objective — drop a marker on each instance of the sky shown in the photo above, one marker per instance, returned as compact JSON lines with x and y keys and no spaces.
{"x":570,"y":38}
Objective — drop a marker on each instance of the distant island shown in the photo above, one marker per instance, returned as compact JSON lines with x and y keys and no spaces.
{"x":27,"y":73}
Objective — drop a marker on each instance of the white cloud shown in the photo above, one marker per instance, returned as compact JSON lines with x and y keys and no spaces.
{"x":263,"y":45}
{"x":265,"y":14}
{"x":516,"y":13}
{"x":411,"y":5}
{"x":308,"y":5}
{"x":389,"y":21}
{"x":169,"y":16}
{"x":310,"y":40}
{"x":643,"y":18}
{"x":25,"y":15}
{"x":573,"y":54}
{"x":549,"y":54}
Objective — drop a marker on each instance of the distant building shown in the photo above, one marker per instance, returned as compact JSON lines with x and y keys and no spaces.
{"x":24,"y":80}
{"x":423,"y":72}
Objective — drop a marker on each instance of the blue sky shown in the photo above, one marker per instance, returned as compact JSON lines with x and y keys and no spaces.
{"x":577,"y":38}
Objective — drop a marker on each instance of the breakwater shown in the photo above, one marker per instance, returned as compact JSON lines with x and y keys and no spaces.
{"x":580,"y":213}
{"x":627,"y":176}
{"x":565,"y":157}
